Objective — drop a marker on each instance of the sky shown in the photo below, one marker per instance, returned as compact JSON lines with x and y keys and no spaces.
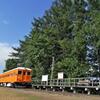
{"x":16,"y":17}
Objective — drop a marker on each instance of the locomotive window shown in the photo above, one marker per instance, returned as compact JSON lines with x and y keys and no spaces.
{"x":24,"y":73}
{"x":28,"y":73}
{"x":19,"y":72}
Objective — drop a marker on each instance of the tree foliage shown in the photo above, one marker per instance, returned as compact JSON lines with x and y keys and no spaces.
{"x":10,"y":64}
{"x":69,"y":31}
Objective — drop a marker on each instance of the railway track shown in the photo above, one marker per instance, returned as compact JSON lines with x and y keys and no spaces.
{"x":51,"y":92}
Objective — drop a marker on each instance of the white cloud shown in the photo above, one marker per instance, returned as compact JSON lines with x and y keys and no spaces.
{"x":5,"y":50}
{"x":5,"y":22}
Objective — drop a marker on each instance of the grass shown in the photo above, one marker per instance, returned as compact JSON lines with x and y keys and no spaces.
{"x":21,"y":94}
{"x":8,"y":94}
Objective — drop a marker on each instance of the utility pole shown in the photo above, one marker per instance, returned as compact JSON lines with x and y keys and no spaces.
{"x":52,"y":67}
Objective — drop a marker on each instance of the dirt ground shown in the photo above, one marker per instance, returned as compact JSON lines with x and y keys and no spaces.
{"x":28,"y":94}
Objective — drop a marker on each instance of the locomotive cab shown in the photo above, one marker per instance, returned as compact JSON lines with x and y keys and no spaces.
{"x":24,"y":76}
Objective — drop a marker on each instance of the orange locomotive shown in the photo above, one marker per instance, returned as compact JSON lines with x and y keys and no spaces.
{"x":20,"y":76}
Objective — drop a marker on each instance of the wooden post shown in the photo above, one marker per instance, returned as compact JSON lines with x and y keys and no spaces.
{"x":52,"y":67}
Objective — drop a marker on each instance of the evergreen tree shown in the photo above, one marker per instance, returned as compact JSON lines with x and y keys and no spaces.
{"x":69,"y":32}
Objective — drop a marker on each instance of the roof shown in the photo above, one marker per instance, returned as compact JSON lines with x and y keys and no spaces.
{"x":23,"y":68}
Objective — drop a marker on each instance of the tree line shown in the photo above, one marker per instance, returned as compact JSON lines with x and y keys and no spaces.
{"x":70,"y":32}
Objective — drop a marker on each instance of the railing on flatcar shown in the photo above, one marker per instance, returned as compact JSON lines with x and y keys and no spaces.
{"x":69,"y":82}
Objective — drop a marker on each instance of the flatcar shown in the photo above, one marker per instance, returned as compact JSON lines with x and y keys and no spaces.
{"x":19,"y":76}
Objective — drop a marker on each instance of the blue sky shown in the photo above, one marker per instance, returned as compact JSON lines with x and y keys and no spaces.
{"x":16,"y":17}
{"x":15,"y":21}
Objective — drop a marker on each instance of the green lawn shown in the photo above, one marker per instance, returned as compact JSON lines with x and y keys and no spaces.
{"x":8,"y":94}
{"x":27,"y":94}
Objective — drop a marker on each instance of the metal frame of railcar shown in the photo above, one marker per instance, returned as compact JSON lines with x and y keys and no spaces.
{"x":73,"y":84}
